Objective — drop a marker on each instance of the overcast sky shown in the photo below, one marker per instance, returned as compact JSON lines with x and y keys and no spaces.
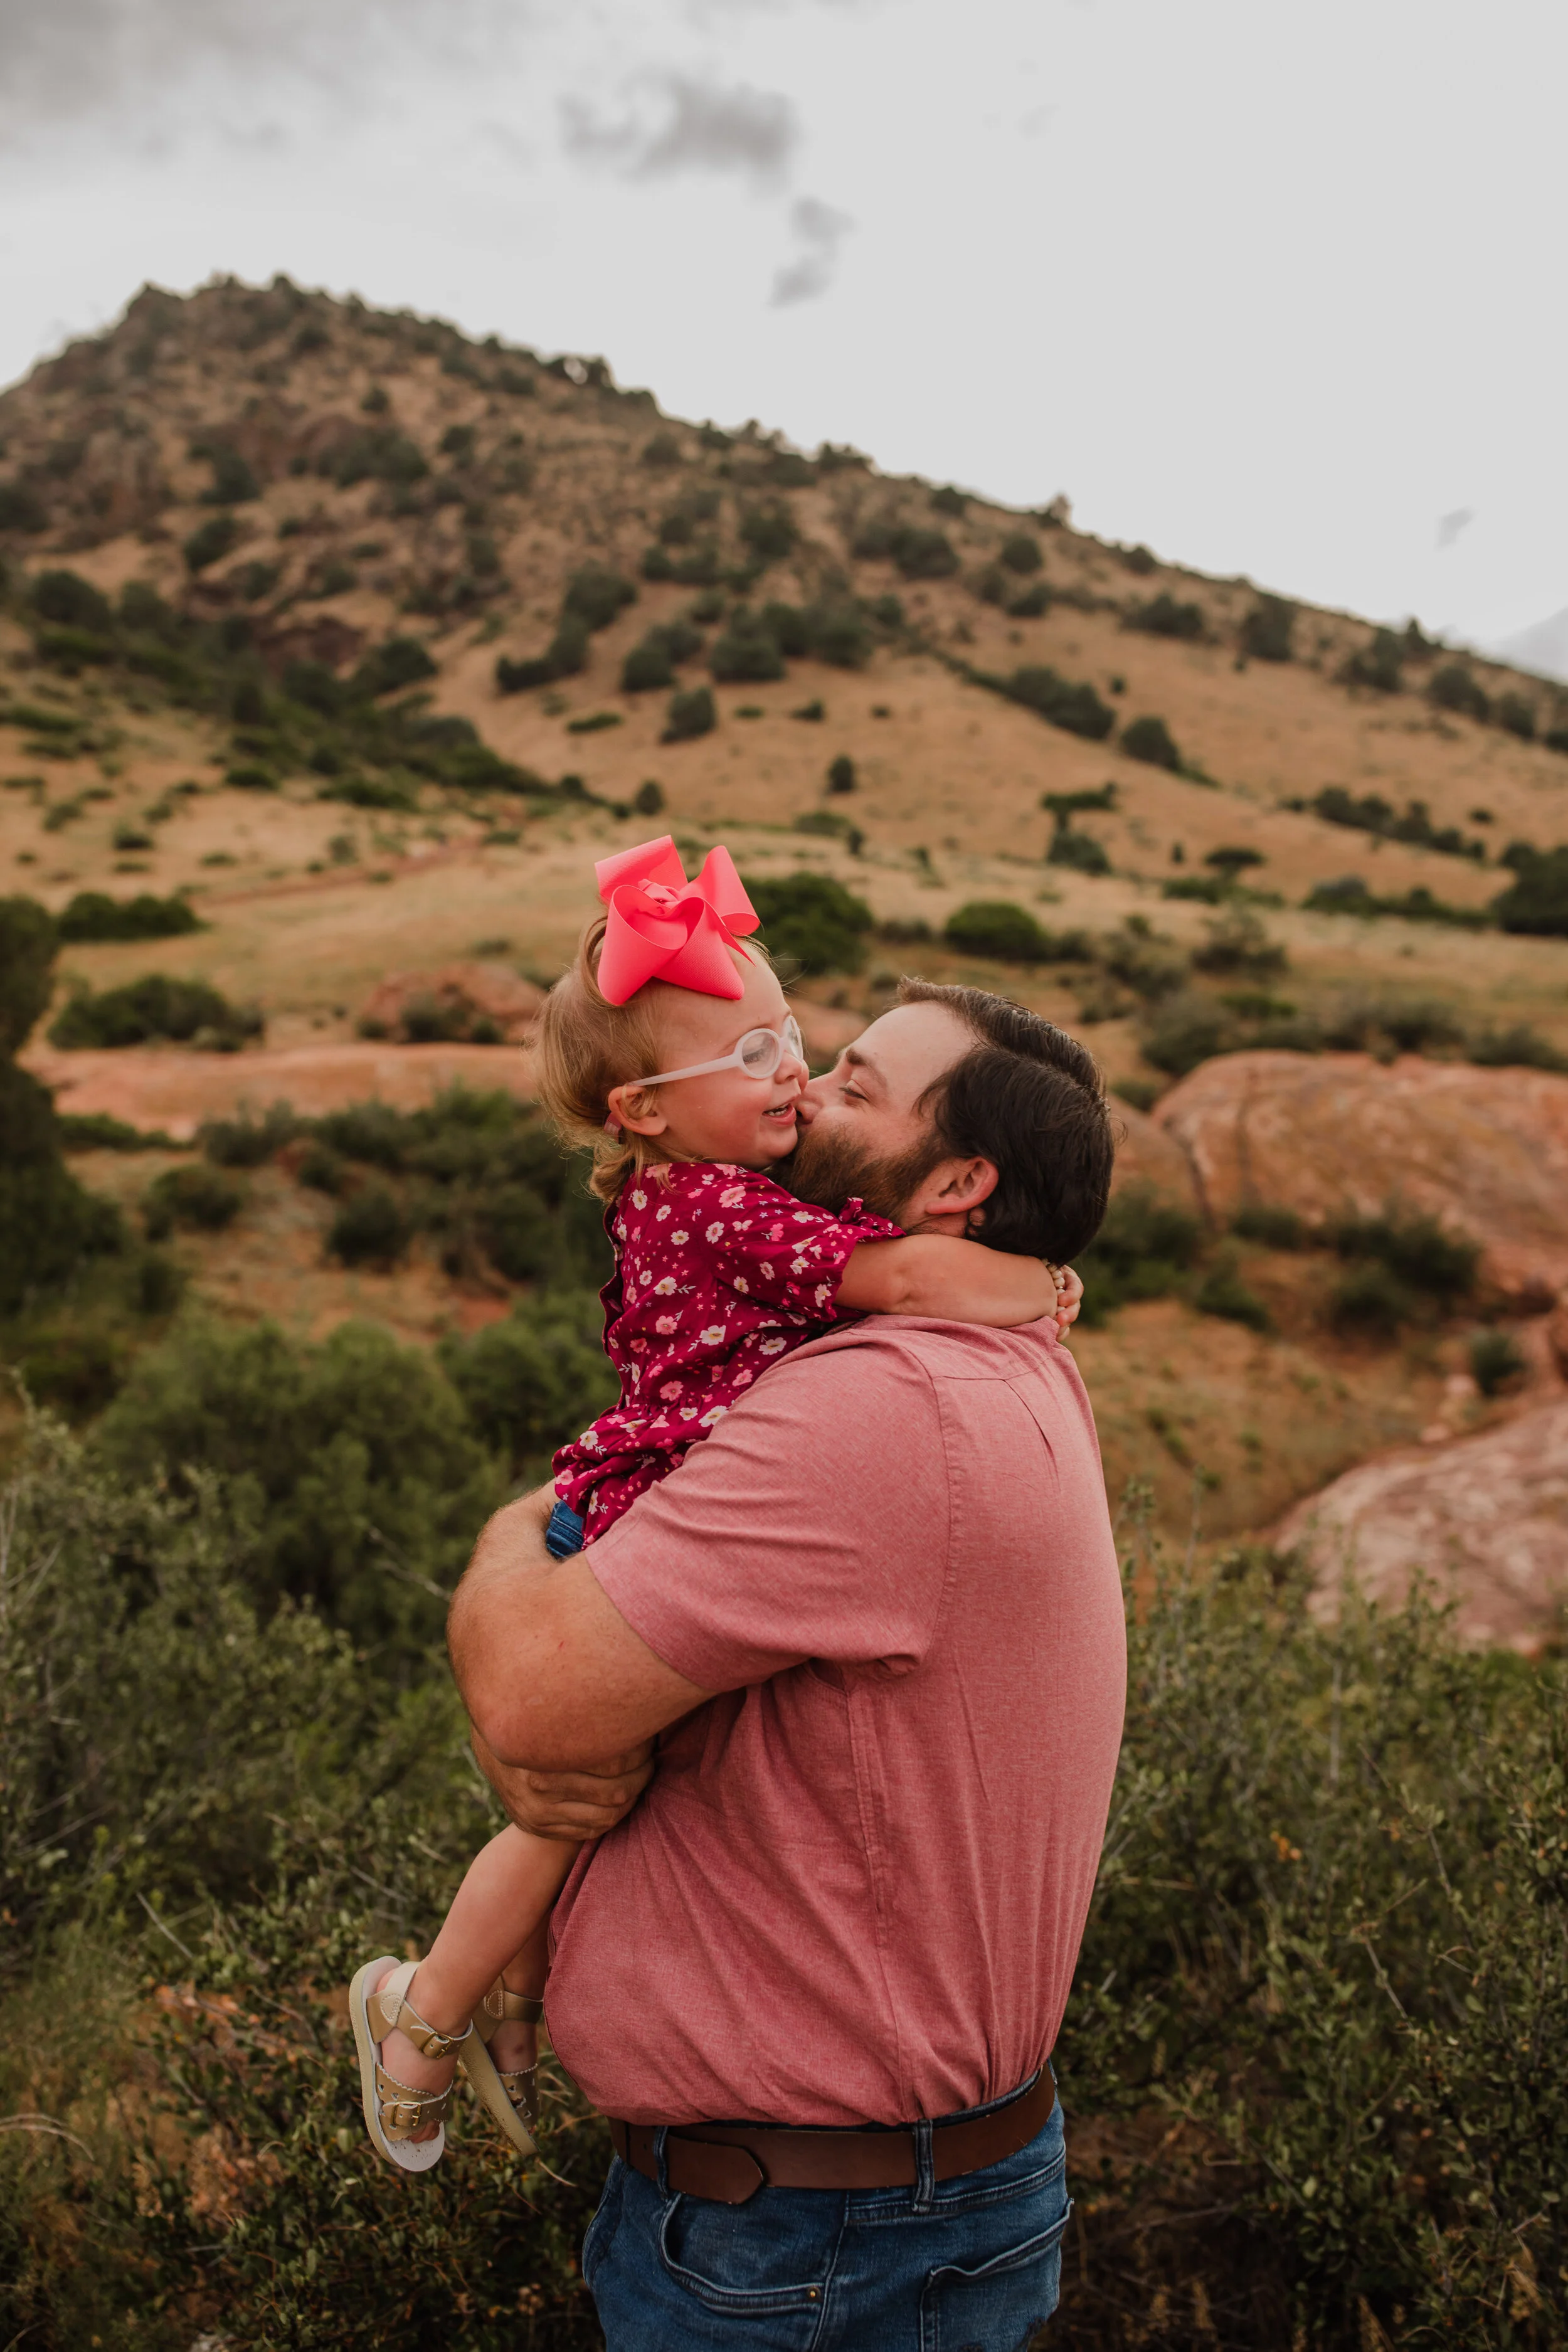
{"x":1276,"y":289}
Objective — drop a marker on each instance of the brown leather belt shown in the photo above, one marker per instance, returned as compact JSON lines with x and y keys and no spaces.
{"x":729,"y":2162}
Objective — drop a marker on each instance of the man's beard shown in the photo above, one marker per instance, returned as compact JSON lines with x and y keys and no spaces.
{"x":829,"y":1168}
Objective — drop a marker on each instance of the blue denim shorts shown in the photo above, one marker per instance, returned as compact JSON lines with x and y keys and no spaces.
{"x":564,"y":1536}
{"x":972,"y":2264}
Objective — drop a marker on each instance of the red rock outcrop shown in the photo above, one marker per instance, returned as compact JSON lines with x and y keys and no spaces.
{"x":148,"y":1087}
{"x":1484,"y":1149}
{"x":1484,"y":1520}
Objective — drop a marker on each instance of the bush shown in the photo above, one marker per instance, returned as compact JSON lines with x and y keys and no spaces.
{"x":74,"y":603}
{"x":745,"y":654}
{"x":1021,"y":553}
{"x":398,"y":662}
{"x":1516,"y":1048}
{"x":648,"y":799}
{"x":595,"y":596}
{"x":813,"y":920}
{"x":1379,"y":665}
{"x":1269,"y":1222}
{"x":381,"y":454}
{"x":1165,"y":617}
{"x":1031,"y":604}
{"x":1268,"y":629}
{"x":841,"y":775}
{"x":1536,"y":902}
{"x":1427,"y":1255}
{"x":1372,"y":813}
{"x":662,"y":451}
{"x":1496,"y":1361}
{"x":1072,"y":706}
{"x":920,"y":554}
{"x":1516,"y":712}
{"x":21,"y":508}
{"x":232,"y":482}
{"x":534,"y":1378}
{"x":371,"y":1229}
{"x":1454,"y":687}
{"x":1222,"y":1293}
{"x":1079,"y":851}
{"x":1373,"y":1301}
{"x":1238,"y":943}
{"x":92,"y":915}
{"x":247,"y":1141}
{"x":768,"y":534}
{"x":199,"y":1197}
{"x":1145,"y":1249}
{"x":648,"y":667}
{"x":689,"y":715}
{"x":210,"y":541}
{"x":825,"y":823}
{"x":997,"y":928}
{"x":187,"y":1012}
{"x":1151,"y":739}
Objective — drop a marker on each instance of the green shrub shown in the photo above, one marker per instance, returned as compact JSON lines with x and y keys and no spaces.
{"x":245,"y":1142}
{"x":381,"y":454}
{"x":833,"y":828}
{"x":1021,"y":553}
{"x":1031,"y":604}
{"x":662,"y":451}
{"x":997,"y":928}
{"x":648,"y":799}
{"x":396,"y":663}
{"x":920,"y":553}
{"x":1222,"y":1293}
{"x":232,"y":482}
{"x":1536,"y":901}
{"x":1269,"y":1222}
{"x":1379,"y":665}
{"x":948,"y":500}
{"x":595,"y":596}
{"x":689,"y":714}
{"x":372,"y":1228}
{"x":1145,"y":1249}
{"x":1165,"y":617}
{"x":93,"y":915}
{"x":1369,"y":812}
{"x":1455,"y":688}
{"x":813,"y":920}
{"x":74,"y":603}
{"x":841,"y":775}
{"x":1373,"y":1301}
{"x":1516,"y":712}
{"x":21,"y":508}
{"x":535,"y":1377}
{"x":1497,"y":1361}
{"x":210,"y":541}
{"x":1238,"y":943}
{"x":1072,"y":706}
{"x":187,"y":1012}
{"x":199,"y":1197}
{"x":745,"y":654}
{"x":518,"y":677}
{"x":1268,"y":629}
{"x":1420,"y":1251}
{"x":648,"y":667}
{"x":768,"y":534}
{"x":1078,"y":851}
{"x":1151,"y":739}
{"x":96,"y":1130}
{"x":1516,"y":1048}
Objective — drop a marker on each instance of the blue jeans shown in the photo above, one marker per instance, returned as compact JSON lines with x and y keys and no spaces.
{"x":971,"y":2265}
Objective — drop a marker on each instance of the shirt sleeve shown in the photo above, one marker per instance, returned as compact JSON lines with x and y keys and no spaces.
{"x":812,"y":1523}
{"x":780,"y":1252}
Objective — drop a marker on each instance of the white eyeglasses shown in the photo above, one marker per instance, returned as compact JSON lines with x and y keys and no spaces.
{"x":759,"y":1054}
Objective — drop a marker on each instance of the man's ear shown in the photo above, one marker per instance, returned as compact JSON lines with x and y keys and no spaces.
{"x":637,"y":1109}
{"x":951,"y":1196}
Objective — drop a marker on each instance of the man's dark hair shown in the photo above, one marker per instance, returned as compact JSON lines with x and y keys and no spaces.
{"x":1030,"y":1099}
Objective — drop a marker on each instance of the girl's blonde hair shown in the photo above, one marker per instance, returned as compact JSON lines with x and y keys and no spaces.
{"x":585,"y":1046}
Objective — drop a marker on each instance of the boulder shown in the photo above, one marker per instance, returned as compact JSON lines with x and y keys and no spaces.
{"x":1484,"y":1149}
{"x":1147,"y":1155}
{"x":1483,"y":1519}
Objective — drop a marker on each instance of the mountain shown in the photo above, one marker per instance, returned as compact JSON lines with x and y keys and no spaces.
{"x":1542,"y":647}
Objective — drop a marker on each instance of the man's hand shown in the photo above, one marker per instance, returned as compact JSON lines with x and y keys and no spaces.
{"x":568,"y":1806}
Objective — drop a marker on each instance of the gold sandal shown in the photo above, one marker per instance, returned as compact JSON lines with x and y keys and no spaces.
{"x":393,"y":2111}
{"x":521,"y":2083}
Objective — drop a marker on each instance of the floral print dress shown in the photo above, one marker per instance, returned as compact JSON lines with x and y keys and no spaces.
{"x":719,"y":1272}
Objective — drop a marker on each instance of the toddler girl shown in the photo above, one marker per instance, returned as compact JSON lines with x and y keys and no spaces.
{"x":670,"y":1050}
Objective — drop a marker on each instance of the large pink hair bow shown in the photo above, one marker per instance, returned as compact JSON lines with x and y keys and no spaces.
{"x":662,"y":927}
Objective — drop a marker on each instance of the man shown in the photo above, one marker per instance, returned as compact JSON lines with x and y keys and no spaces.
{"x":813,"y":1977}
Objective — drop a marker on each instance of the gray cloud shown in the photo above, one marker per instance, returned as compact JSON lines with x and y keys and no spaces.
{"x":821,"y":231}
{"x":70,"y":61}
{"x":1449,"y":526}
{"x":698,"y":127}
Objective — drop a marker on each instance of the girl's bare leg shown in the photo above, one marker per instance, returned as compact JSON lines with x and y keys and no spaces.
{"x":496,"y":1927}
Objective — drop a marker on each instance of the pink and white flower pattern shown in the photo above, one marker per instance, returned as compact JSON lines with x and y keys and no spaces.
{"x":729,"y":1304}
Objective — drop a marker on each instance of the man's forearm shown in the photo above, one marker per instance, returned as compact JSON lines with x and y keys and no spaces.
{"x":552,"y":1674}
